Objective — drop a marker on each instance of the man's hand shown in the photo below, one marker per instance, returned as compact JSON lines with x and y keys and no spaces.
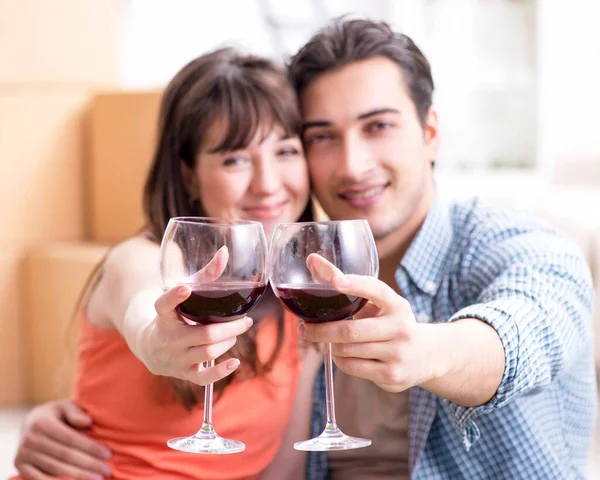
{"x":462,"y":361}
{"x":52,"y":446}
{"x":383,"y":343}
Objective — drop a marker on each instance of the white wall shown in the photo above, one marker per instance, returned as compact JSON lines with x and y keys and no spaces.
{"x":569,"y":80}
{"x":160,"y":36}
{"x":557,"y":105}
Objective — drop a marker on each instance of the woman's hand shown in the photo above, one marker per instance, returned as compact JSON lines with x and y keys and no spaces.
{"x":171,"y":347}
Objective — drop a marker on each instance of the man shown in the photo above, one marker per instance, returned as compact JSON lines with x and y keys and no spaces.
{"x":473,"y":358}
{"x":482,"y":330}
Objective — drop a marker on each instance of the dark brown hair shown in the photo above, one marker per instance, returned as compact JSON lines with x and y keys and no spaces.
{"x":246,"y":92}
{"x":344,"y":41}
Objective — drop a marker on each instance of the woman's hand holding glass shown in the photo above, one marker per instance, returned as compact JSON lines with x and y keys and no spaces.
{"x":173,"y":347}
{"x":214,"y":271}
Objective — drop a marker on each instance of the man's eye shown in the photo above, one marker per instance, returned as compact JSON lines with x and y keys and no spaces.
{"x":318,"y":138}
{"x":378,"y":126}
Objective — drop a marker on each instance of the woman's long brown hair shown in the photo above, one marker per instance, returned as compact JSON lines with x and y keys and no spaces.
{"x":248,"y":93}
{"x":251,"y":95}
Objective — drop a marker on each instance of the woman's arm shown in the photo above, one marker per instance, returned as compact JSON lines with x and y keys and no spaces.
{"x":128,"y":297}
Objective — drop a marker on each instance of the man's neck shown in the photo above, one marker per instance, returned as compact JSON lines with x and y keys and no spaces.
{"x":392,"y":247}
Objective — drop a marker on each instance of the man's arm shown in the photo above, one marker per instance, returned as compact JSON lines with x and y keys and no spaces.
{"x":387,"y":346}
{"x":529,"y":318}
{"x":470,"y":356}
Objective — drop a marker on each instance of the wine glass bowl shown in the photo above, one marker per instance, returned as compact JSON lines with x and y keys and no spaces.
{"x":224,"y":263}
{"x":304,"y":258}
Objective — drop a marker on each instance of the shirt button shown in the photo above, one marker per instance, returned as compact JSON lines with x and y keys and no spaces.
{"x":422,"y":318}
{"x":430,"y":286}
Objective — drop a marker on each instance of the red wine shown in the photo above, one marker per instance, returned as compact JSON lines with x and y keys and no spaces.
{"x":220,"y":302}
{"x":318,"y":303}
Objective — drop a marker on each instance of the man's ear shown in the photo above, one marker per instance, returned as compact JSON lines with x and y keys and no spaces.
{"x":190,"y":181}
{"x":432,"y":134}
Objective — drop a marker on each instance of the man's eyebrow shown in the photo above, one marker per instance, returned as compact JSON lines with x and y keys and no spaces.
{"x":317,"y":123}
{"x":326,"y":123}
{"x":377,"y":111}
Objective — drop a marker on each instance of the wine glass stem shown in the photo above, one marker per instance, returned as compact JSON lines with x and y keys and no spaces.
{"x":207,"y":426}
{"x":331,"y":427}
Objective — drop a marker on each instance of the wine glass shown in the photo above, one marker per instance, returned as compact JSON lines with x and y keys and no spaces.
{"x":224,"y":263}
{"x":304,"y":258}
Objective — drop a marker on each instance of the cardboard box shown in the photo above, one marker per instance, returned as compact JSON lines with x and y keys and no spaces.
{"x":41,"y":178}
{"x":122,"y":138}
{"x":75,"y":42}
{"x":55,"y":278}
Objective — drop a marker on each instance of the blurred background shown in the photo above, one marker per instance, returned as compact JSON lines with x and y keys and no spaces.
{"x":517,"y":89}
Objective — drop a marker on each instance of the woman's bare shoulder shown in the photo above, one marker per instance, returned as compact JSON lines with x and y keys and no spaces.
{"x":130,"y":266}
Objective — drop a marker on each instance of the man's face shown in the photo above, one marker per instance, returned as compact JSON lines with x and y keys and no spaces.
{"x":368,"y":154}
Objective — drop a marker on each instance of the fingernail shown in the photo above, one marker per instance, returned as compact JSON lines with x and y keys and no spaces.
{"x":106,"y":454}
{"x":232,"y":364}
{"x":183,"y":290}
{"x":341,"y":282}
{"x":301,"y":330}
{"x":106,"y":471}
{"x":97,"y":477}
{"x":249,"y":322}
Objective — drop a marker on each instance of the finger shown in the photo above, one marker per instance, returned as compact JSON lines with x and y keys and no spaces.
{"x":321,"y":269}
{"x":372,"y":370}
{"x":368,"y":311}
{"x":166,"y":304}
{"x":55,"y":468}
{"x":195,"y":355}
{"x":71,"y":438}
{"x":370,"y":288}
{"x":198,"y":335}
{"x":361,"y":368}
{"x":381,"y":351}
{"x":204,"y":376}
{"x":29,"y":472}
{"x":389,"y":377}
{"x":70,"y":456}
{"x":378,"y":329}
{"x":74,"y":415}
{"x":213,"y":269}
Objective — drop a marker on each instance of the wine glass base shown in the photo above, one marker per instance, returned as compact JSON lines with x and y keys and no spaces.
{"x":324,"y":443}
{"x":212,"y":446}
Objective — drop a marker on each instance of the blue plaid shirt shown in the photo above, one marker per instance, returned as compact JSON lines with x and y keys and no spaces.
{"x":533,"y":286}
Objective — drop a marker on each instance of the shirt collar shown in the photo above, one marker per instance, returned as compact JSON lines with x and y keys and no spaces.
{"x":424,"y":260}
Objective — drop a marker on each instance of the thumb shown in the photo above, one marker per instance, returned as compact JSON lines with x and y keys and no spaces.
{"x":213,"y":269}
{"x":166,"y":304}
{"x":75,"y":416}
{"x":322,"y":269}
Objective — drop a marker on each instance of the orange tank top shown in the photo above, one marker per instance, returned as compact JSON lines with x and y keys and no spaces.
{"x":135,"y":421}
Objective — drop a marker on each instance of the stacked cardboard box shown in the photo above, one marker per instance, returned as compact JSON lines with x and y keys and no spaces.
{"x":120,"y":132}
{"x":52,"y":62}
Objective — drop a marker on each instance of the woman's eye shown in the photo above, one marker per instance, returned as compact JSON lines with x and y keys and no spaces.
{"x":288,"y":152}
{"x":234,"y":161}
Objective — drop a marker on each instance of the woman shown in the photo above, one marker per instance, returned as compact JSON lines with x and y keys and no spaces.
{"x":228,"y":146}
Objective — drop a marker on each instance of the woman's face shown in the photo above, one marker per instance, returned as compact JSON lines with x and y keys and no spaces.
{"x":267,"y":181}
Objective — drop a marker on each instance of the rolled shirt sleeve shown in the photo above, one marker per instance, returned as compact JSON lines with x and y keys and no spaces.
{"x":535,"y":290}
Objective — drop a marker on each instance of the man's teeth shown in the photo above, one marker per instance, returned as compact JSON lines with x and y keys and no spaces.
{"x":364,"y":194}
